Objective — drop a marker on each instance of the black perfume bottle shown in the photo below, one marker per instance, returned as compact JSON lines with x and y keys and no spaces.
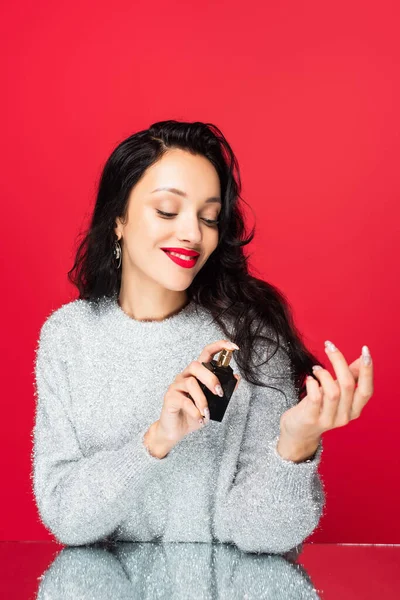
{"x":224,"y":372}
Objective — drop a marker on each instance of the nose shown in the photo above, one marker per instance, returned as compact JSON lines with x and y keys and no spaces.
{"x":189,"y":231}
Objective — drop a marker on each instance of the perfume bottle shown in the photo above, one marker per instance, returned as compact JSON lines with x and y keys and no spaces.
{"x":224,"y":372}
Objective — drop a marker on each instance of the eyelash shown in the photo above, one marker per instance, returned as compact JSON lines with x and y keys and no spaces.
{"x":209,"y":222}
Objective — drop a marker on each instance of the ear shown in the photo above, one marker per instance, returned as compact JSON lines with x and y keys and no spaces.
{"x":118,"y":228}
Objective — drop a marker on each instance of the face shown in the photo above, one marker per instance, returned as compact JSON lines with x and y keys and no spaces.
{"x":191,"y":227}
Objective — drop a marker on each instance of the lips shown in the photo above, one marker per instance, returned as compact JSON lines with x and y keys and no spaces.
{"x":184,"y":251}
{"x":186,"y":263}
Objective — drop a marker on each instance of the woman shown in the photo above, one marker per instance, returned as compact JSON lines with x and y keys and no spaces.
{"x":121,"y":450}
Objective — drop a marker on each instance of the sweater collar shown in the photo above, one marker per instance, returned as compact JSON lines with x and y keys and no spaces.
{"x":124,"y":327}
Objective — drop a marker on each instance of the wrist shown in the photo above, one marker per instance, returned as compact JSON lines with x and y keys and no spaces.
{"x":296,"y":451}
{"x":154,"y":442}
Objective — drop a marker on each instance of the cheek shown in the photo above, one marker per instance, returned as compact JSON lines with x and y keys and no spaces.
{"x":150,"y":229}
{"x":213,"y":239}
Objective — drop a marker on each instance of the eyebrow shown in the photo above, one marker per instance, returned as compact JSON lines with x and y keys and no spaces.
{"x":184,"y":194}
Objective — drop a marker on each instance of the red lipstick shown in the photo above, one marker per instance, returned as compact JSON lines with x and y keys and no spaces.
{"x":184,"y":251}
{"x":186,"y":263}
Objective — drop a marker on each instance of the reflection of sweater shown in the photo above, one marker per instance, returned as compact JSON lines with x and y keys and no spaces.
{"x":101,"y":378}
{"x":172,"y":571}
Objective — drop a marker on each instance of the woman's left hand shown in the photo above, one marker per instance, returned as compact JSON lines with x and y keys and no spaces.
{"x":332,"y":404}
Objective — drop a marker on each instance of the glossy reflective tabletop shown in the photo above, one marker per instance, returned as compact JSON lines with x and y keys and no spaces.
{"x":148,"y":570}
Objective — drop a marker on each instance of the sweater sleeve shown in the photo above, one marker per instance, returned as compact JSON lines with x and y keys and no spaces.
{"x":80,"y":499}
{"x":272,"y":503}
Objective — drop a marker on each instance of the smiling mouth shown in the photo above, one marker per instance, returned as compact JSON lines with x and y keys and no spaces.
{"x":182,"y":256}
{"x":183,"y":261}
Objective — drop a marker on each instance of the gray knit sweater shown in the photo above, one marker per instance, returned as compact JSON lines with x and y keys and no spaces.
{"x":169,"y":571}
{"x":100,"y":382}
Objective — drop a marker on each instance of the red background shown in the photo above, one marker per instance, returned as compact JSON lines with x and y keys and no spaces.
{"x":308,"y":96}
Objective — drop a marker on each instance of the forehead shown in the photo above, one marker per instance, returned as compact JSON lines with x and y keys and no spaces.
{"x":191,"y":177}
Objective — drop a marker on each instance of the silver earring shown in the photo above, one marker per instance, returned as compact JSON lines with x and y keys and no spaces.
{"x":117,"y":253}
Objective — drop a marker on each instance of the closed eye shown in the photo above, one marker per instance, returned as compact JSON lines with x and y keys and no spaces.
{"x":166,"y":215}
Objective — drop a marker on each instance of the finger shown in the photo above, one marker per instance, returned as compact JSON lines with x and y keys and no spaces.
{"x":330,"y":399}
{"x":345,"y":381}
{"x":238,"y":377}
{"x":210,"y":350}
{"x":197,"y":396}
{"x":179,"y":400}
{"x":365,"y":388}
{"x":314,"y":398}
{"x":189,"y":387}
{"x":204,"y":375}
{"x":190,"y":409}
{"x":355,"y":369}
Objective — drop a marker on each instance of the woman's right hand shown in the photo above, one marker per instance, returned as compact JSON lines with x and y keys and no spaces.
{"x":180,"y":414}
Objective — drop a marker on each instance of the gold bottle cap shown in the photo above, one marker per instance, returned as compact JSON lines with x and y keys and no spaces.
{"x":224,"y":358}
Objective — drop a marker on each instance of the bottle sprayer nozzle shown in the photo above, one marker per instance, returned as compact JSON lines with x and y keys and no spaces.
{"x":224,"y":358}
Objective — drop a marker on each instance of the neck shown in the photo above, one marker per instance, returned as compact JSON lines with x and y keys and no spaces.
{"x":148,"y":308}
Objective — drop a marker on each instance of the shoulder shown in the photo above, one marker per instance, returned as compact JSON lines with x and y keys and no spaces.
{"x":64,"y":321}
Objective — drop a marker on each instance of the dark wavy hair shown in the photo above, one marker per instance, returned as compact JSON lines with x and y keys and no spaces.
{"x":246,"y":308}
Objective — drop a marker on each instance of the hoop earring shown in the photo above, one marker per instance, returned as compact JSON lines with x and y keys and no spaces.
{"x":118,"y":253}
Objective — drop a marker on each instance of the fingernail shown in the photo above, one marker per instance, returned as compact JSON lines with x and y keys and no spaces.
{"x":329,"y":346}
{"x":201,"y":421}
{"x":316,"y":367}
{"x":219,"y":390}
{"x":207,"y":414}
{"x":366,"y":356}
{"x":232,"y":345}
